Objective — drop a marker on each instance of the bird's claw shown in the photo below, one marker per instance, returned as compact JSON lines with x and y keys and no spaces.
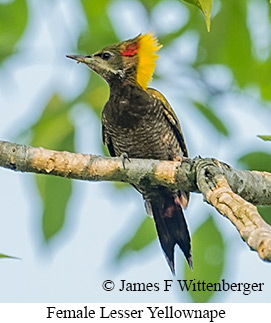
{"x":183,"y":159}
{"x":124,"y":157}
{"x":187,"y":160}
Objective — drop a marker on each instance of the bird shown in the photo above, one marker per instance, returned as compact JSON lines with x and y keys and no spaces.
{"x":138,"y":122}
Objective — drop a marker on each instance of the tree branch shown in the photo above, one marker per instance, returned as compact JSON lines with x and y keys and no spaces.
{"x":244,"y":215}
{"x":231,"y":192}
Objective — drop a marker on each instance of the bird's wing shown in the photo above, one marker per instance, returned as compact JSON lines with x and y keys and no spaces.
{"x":108,"y":141}
{"x":171,"y":117}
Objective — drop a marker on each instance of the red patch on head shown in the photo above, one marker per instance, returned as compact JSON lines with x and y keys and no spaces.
{"x":130,"y":50}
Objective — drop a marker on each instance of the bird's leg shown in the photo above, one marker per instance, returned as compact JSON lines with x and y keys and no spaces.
{"x":124,"y":157}
{"x":180,"y":158}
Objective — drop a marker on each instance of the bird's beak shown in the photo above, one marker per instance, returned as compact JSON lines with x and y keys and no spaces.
{"x":80,"y":58}
{"x":93,"y":63}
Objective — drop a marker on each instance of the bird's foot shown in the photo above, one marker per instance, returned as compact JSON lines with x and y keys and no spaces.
{"x":124,"y":157}
{"x":183,"y":159}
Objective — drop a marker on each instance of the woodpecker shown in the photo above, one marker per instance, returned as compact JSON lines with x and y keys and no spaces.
{"x":138,"y":122}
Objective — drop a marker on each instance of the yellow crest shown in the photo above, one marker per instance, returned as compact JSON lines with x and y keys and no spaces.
{"x":147,"y":47}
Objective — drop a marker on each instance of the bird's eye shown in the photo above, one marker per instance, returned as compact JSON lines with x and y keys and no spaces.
{"x":106,"y":56}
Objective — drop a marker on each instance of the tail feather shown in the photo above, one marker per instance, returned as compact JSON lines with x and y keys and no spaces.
{"x":171,"y":228}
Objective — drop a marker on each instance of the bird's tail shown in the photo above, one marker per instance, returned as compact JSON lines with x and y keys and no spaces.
{"x":171,"y":228}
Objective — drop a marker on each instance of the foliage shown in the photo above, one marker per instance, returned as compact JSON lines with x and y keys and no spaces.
{"x":143,"y":236}
{"x":54,"y":131}
{"x":209,"y":254}
{"x":206,"y":7}
{"x":265,"y":138}
{"x":13,"y":20}
{"x":2,"y":256}
{"x":213,"y":118}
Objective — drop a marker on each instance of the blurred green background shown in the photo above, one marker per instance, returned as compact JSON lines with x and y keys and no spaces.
{"x":71,"y":235}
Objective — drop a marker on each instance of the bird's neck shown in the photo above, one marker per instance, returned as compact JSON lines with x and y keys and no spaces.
{"x":124,"y":87}
{"x":127,"y":105}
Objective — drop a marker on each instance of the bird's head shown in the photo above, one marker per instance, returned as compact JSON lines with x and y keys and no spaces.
{"x":132,"y":60}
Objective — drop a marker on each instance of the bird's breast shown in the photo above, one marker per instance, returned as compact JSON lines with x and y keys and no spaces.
{"x":138,"y":127}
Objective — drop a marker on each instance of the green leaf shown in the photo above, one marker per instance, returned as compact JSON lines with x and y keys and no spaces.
{"x":121,"y":185}
{"x":6,"y":256}
{"x":13,"y":20}
{"x":212,"y":118}
{"x":265,"y":138}
{"x":265,"y":212}
{"x":55,"y":193}
{"x":206,"y":7}
{"x":54,"y":131}
{"x":208,"y":250}
{"x":261,"y":73}
{"x":143,"y":236}
{"x":229,"y":42}
{"x":260,"y":161}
